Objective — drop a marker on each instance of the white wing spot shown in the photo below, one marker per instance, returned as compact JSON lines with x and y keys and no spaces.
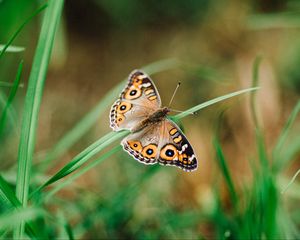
{"x":146,"y":85}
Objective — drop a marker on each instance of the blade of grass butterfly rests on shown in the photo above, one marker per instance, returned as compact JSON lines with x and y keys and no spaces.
{"x":83,"y":157}
{"x":32,"y":103}
{"x":82,"y":171}
{"x":8,"y":199}
{"x":11,"y":96}
{"x":7,"y":46}
{"x":11,"y":49}
{"x":277,"y":163}
{"x":211,"y":102}
{"x":16,"y":216}
{"x":82,"y":127}
{"x":109,"y":138}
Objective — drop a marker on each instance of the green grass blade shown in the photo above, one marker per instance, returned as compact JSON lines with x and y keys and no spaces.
{"x":92,"y":117}
{"x":210,"y":102}
{"x":64,"y":229}
{"x":226,"y":174}
{"x":11,"y":114}
{"x":291,"y":182}
{"x":32,"y":103}
{"x":12,"y":49}
{"x":7,"y":84}
{"x":283,"y":136}
{"x":6,"y":46}
{"x":255,"y":78}
{"x":7,"y":196}
{"x":273,"y":21}
{"x":291,"y":152}
{"x":261,"y":148}
{"x":9,"y":200}
{"x":16,"y":216}
{"x":83,"y":170}
{"x":10,"y":97}
{"x":84,"y":156}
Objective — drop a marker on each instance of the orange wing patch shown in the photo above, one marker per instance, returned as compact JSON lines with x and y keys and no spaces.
{"x":120,"y":118}
{"x":133,"y":92}
{"x":124,"y":107}
{"x":173,"y":131}
{"x":150,"y":151}
{"x":169,"y":152}
{"x":135,"y":145}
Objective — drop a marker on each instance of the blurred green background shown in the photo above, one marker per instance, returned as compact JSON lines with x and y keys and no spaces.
{"x":208,"y":45}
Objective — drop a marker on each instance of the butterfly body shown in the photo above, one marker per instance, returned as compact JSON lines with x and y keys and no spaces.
{"x":154,"y":138}
{"x":156,"y":117}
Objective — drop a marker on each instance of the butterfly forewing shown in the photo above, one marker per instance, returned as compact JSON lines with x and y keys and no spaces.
{"x":138,"y":100}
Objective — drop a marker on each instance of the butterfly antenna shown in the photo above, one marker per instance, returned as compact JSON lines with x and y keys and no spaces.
{"x":178,"y":84}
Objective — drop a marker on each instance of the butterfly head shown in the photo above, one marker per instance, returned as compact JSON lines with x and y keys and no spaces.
{"x":165,"y":111}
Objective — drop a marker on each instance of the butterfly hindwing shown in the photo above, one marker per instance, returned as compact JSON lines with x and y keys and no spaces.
{"x":137,"y":101}
{"x":162,"y":143}
{"x":143,"y":145}
{"x":175,"y":149}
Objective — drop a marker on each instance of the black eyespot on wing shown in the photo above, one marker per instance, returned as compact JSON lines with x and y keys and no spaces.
{"x":181,"y":155}
{"x":132,"y":92}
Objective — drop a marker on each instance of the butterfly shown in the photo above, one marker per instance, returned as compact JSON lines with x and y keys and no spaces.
{"x":154,"y":138}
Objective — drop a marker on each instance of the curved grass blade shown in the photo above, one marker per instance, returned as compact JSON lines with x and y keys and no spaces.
{"x":83,"y":157}
{"x":259,"y":135}
{"x":283,"y":136}
{"x":32,"y":103}
{"x":226,"y":173}
{"x":6,"y":46}
{"x":83,"y":170}
{"x":10,"y":97}
{"x":105,"y":141}
{"x":91,"y":118}
{"x":211,"y":102}
{"x":255,"y":78}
